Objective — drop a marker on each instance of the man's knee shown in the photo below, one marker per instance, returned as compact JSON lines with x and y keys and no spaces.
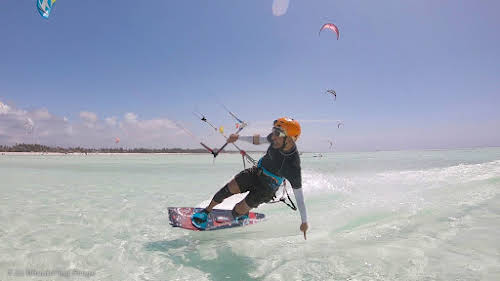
{"x":234,"y":187}
{"x":225,"y":192}
{"x":222,"y":194}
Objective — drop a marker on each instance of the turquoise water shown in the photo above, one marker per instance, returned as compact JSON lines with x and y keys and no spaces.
{"x":402,"y":215}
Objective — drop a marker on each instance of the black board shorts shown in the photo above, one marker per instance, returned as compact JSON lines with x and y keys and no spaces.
{"x":252,"y":180}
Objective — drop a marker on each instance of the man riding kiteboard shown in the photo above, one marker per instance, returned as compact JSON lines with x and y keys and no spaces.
{"x":280,"y":162}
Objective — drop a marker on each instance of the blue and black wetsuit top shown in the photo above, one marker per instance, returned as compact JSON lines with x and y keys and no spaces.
{"x":281,"y":165}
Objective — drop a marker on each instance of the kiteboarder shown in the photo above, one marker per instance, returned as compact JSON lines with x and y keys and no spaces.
{"x":280,"y":162}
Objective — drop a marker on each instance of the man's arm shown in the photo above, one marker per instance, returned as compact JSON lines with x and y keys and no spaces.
{"x":299,"y":197}
{"x":255,"y":139}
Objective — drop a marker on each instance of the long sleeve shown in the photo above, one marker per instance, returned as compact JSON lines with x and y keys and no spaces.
{"x":299,"y":197}
{"x":255,"y":139}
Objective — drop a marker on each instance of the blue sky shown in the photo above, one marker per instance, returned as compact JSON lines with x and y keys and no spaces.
{"x":408,"y":74}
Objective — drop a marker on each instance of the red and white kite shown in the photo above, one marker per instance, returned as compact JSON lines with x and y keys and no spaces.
{"x":330,"y":26}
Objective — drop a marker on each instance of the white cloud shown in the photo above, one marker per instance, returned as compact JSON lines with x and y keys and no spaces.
{"x":130,"y":117}
{"x":42,"y":114}
{"x":4,"y":109}
{"x":40,"y":126}
{"x":111,"y":121}
{"x":89,"y":117}
{"x":69,"y":130}
{"x":157,"y":124}
{"x":29,"y":125}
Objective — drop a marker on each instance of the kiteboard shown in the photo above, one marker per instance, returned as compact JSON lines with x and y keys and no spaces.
{"x":217,"y":219}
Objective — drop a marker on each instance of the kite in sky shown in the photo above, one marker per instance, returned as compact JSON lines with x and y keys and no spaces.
{"x":332,"y":27}
{"x":44,"y":7}
{"x":333,"y":93}
{"x":29,"y":125}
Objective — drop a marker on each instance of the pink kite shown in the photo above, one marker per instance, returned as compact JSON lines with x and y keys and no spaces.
{"x":332,"y":27}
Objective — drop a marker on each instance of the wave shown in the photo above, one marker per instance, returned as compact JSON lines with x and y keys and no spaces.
{"x":459,"y":174}
{"x":316,"y":182}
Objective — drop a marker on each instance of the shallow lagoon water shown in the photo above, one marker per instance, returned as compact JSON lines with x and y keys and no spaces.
{"x":397,"y":215}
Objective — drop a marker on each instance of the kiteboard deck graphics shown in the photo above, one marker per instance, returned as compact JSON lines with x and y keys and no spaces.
{"x":217,"y":219}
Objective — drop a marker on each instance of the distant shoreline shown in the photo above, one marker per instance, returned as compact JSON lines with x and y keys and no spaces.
{"x":44,"y":149}
{"x":30,"y":149}
{"x":5,"y":153}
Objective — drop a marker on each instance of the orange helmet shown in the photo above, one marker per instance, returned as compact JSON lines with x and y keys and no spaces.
{"x":290,"y":126}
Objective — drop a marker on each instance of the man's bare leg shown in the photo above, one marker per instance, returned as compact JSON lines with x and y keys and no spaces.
{"x":242,"y":208}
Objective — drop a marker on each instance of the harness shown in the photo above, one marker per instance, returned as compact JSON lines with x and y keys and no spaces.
{"x":275,"y":181}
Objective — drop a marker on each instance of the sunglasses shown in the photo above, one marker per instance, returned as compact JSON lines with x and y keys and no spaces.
{"x":278,"y":132}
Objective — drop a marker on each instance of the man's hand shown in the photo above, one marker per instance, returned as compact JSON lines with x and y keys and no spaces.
{"x":232,"y":138}
{"x":303,"y":228}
